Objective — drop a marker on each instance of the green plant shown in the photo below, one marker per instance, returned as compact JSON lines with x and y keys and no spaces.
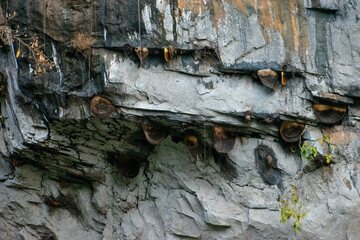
{"x":309,"y":152}
{"x":326,"y":139}
{"x":292,"y":209}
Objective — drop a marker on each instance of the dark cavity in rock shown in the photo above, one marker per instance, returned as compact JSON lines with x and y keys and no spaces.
{"x":64,"y":202}
{"x":125,"y":164}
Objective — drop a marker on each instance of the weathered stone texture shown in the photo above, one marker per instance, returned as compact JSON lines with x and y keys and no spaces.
{"x":124,"y":168}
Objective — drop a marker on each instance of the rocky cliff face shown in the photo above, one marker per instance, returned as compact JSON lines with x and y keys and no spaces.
{"x":121,"y":142}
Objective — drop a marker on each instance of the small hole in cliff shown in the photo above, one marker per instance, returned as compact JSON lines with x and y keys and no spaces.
{"x":191,"y":142}
{"x":64,"y":183}
{"x":268,"y":77}
{"x":223,"y":141}
{"x":266,"y":165}
{"x":154,"y":134}
{"x":16,"y":162}
{"x":293,"y":147}
{"x":48,"y":236}
{"x":169,"y":53}
{"x":126,"y":165}
{"x":291,"y":131}
{"x":62,"y":201}
{"x":128,"y":50}
{"x":3,"y":84}
{"x":101,"y":107}
{"x":329,"y":114}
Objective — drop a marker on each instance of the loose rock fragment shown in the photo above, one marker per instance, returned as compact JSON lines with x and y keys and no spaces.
{"x":101,"y":107}
{"x":223,"y":141}
{"x":154,"y":135}
{"x":268,"y":77}
{"x":329,"y":114}
{"x":291,"y":131}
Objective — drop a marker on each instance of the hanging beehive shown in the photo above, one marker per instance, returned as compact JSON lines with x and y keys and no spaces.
{"x":142,"y":53}
{"x":266,"y":165}
{"x":268,"y":77}
{"x":223,"y":141}
{"x":169,"y":53}
{"x":283,"y":79}
{"x":291,"y":131}
{"x":153,"y":134}
{"x":329,"y":114}
{"x":101,"y":107}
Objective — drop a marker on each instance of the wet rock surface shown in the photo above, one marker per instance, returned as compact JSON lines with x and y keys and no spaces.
{"x":121,"y":140}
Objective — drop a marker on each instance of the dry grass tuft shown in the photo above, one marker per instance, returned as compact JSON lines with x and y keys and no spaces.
{"x":83,"y":42}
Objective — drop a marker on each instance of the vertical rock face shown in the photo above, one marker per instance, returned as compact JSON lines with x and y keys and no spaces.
{"x":121,"y":140}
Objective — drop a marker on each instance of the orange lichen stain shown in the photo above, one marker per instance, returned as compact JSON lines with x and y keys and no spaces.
{"x":340,"y":137}
{"x":286,"y":17}
{"x":265,"y":18}
{"x":219,"y":13}
{"x":240,"y":4}
{"x":295,"y":26}
{"x":195,"y":6}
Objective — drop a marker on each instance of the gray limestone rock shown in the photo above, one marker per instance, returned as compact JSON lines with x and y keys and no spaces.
{"x":67,"y":174}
